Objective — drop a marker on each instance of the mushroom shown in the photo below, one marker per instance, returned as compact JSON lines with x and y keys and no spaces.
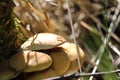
{"x":70,"y":49}
{"x":36,"y":61}
{"x":66,"y":57}
{"x":43,"y":41}
{"x":30,"y":61}
{"x":64,"y":62}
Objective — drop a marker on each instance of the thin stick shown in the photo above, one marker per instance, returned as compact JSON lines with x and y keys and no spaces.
{"x":100,"y":52}
{"x":73,"y":32}
{"x":44,"y":11}
{"x":98,"y":73}
{"x":47,"y":28}
{"x":114,"y":49}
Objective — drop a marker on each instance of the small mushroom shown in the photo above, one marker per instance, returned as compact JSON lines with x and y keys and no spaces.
{"x":43,"y":41}
{"x":30,"y":61}
{"x":70,"y":49}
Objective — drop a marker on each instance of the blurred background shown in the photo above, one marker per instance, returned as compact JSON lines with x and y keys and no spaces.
{"x":95,"y":24}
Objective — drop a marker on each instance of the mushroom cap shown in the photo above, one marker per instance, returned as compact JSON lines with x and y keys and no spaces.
{"x":43,"y":41}
{"x":30,"y":61}
{"x":70,"y":49}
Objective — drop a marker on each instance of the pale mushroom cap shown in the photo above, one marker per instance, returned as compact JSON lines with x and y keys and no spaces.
{"x":43,"y":41}
{"x":38,"y":61}
{"x":70,"y":49}
{"x":29,"y":61}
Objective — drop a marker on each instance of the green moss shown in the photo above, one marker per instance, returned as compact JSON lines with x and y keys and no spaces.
{"x":10,"y":36}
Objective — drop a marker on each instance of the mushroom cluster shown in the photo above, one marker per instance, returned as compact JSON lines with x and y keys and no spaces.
{"x":43,"y":55}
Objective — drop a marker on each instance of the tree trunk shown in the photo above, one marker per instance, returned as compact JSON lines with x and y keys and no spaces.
{"x":10,"y":35}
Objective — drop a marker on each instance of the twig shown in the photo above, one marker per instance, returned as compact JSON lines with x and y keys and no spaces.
{"x":114,"y":48}
{"x":44,"y":11}
{"x":42,"y":17}
{"x":88,"y":27}
{"x":98,"y":73}
{"x":115,"y":18}
{"x":100,"y":52}
{"x":73,"y":32}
